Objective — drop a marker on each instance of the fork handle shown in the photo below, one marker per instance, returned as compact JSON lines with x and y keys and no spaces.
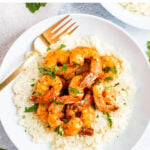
{"x":16,"y":72}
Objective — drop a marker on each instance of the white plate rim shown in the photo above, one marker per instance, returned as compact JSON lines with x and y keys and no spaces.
{"x":126,"y":16}
{"x":74,"y":14}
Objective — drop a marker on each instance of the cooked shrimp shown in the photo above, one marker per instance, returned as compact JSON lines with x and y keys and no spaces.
{"x":111,"y":66}
{"x":104,"y":99}
{"x":55,"y":110}
{"x":42,"y":112}
{"x":57,"y":60}
{"x":79,"y":55}
{"x":74,"y":87}
{"x":55,"y":57}
{"x":87,"y":116}
{"x":46,"y":82}
{"x":73,"y":126}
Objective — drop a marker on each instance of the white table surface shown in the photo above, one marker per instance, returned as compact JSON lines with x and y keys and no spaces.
{"x":15,"y":19}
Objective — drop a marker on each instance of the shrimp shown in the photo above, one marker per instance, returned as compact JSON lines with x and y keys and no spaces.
{"x":74,"y":87}
{"x":87,"y":116}
{"x":73,"y":126}
{"x":56,"y":108}
{"x":79,"y":55}
{"x":111,"y":66}
{"x":46,"y":83}
{"x":42,"y":112}
{"x":104,"y":99}
{"x":57,"y":60}
{"x":56,"y":57}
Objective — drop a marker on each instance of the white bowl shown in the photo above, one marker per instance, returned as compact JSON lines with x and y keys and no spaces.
{"x":126,"y":16}
{"x":110,"y":33}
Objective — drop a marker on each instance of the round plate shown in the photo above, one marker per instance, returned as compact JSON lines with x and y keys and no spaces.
{"x":88,"y":25}
{"x":127,"y":16}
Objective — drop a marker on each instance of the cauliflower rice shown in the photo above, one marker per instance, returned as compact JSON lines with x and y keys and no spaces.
{"x":102,"y":132}
{"x":137,"y":8}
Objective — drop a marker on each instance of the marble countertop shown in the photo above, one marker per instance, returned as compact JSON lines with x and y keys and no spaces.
{"x":15,"y":19}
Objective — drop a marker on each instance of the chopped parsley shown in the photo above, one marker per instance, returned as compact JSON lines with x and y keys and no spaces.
{"x":97,"y":116}
{"x":39,"y":93}
{"x":108,"y":78}
{"x":110,"y":69}
{"x":56,"y":68}
{"x":49,"y":49}
{"x":116,"y":84}
{"x":86,"y":102}
{"x":123,"y":89}
{"x":59,"y":103}
{"x":148,"y":49}
{"x":33,"y":7}
{"x":32,"y":108}
{"x":73,"y":90}
{"x":33,"y":92}
{"x":75,"y":64}
{"x":59,"y":130}
{"x":42,"y":104}
{"x":62,"y":46}
{"x":64,"y":68}
{"x":47,"y":71}
{"x":50,"y":100}
{"x":32,"y":84}
{"x":66,"y":120}
{"x":98,"y":82}
{"x":108,"y":118}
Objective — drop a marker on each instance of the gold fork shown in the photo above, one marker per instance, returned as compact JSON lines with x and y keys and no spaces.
{"x":42,"y":43}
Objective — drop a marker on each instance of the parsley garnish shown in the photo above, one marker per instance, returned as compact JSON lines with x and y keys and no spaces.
{"x":76,"y":64}
{"x":86,"y":102}
{"x":39,"y":93}
{"x":98,"y":82}
{"x":110,"y":69}
{"x":66,"y":120}
{"x":32,"y":108}
{"x":108,"y":118}
{"x":64,"y":68}
{"x":59,"y":130}
{"x":47,"y":71}
{"x":108,"y":78}
{"x":73,"y":90}
{"x":49,"y":49}
{"x":123,"y":89}
{"x":97,"y":116}
{"x":116,"y":84}
{"x":32,"y":84}
{"x":34,"y":6}
{"x":62,"y":46}
{"x":148,"y":49}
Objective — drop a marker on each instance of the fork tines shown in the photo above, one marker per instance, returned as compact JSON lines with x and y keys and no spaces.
{"x":63,"y":26}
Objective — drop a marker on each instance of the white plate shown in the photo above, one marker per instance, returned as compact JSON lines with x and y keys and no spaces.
{"x":105,"y":30}
{"x":127,"y":16}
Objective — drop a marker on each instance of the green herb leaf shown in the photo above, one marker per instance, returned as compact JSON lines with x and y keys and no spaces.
{"x":66,"y":120}
{"x":34,"y":6}
{"x":108,"y":118}
{"x":32,"y":84}
{"x":47,"y":71}
{"x":59,"y":103}
{"x":39,"y":93}
{"x":32,"y":108}
{"x":75,"y":64}
{"x":33,"y":92}
{"x":59,"y":130}
{"x":116,"y":84}
{"x":86,"y":102}
{"x":62,"y":46}
{"x":2,"y":148}
{"x":110,"y":69}
{"x":108,"y":78}
{"x":97,"y":116}
{"x":98,"y":82}
{"x":64,"y":68}
{"x":148,"y":49}
{"x":73,"y":90}
{"x":56,"y":68}
{"x":49,"y":49}
{"x":123,"y":89}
